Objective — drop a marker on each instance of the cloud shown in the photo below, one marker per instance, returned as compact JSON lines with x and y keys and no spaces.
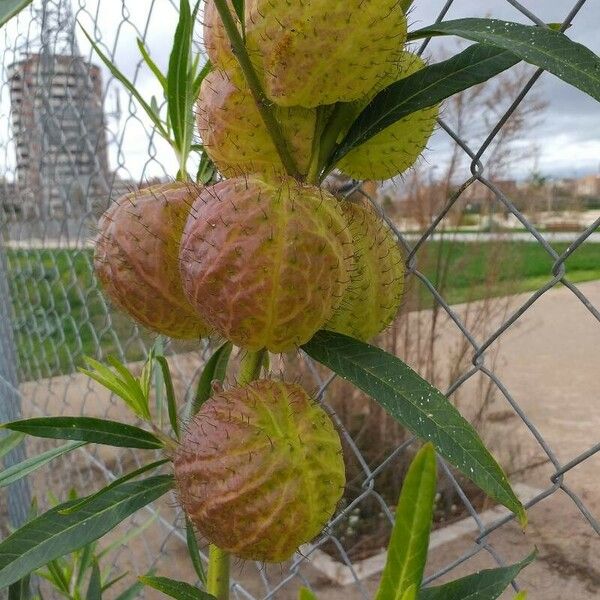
{"x":569,"y":137}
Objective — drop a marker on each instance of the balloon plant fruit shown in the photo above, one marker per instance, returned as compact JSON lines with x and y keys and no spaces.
{"x":253,"y":251}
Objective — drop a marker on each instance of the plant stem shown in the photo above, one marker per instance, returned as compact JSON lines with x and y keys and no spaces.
{"x":182,"y":174}
{"x":250,"y":367}
{"x":218,"y":560}
{"x":323,"y":114}
{"x":262,"y":102}
{"x":217,"y":580}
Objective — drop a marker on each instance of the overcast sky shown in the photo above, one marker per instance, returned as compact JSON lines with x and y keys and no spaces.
{"x":568,"y":137}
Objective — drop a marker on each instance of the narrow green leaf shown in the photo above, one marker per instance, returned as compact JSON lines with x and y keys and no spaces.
{"x":178,"y":83}
{"x":194,"y":65}
{"x":11,"y":8}
{"x":214,"y":370}
{"x":176,"y":589}
{"x":117,"y":482}
{"x":119,"y":386}
{"x":206,"y":69}
{"x":94,"y":591}
{"x":206,"y":169}
{"x":484,"y":585}
{"x":194,"y":551}
{"x":195,"y":11}
{"x":171,"y":402}
{"x":117,"y":74}
{"x":418,"y":406}
{"x":152,"y":65}
{"x":129,"y":381}
{"x":424,"y":89}
{"x":87,"y":556}
{"x":546,"y":48}
{"x":132,"y":385}
{"x":103,"y":375}
{"x":407,"y":550}
{"x":154,"y":106}
{"x":10,"y":441}
{"x":131,"y":592}
{"x":20,"y":590}
{"x":57,"y":576}
{"x":114,"y":581}
{"x":29,"y":465}
{"x":305,"y":593}
{"x":145,"y":382}
{"x":87,"y":429}
{"x":52,"y":535}
{"x":410,"y":593}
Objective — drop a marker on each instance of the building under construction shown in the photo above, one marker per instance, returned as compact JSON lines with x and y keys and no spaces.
{"x":58,"y":129}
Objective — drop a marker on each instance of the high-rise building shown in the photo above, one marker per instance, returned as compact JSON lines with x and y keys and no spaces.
{"x":58,"y":125}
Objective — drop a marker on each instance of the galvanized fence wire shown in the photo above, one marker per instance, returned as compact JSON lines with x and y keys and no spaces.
{"x":52,"y":312}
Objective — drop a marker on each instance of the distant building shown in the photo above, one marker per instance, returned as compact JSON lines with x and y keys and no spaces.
{"x":59,"y":134}
{"x":587,"y":186}
{"x":479,"y":194}
{"x":10,"y":204}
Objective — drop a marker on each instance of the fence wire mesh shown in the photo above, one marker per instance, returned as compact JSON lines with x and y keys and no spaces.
{"x":72,"y":143}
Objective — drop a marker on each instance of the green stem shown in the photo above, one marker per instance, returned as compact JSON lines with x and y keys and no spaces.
{"x":323,"y":114}
{"x":313,"y":170}
{"x":262,"y":102}
{"x":251,"y":366}
{"x":182,"y":174}
{"x":217,"y":580}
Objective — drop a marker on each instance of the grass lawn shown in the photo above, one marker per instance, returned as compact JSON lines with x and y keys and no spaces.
{"x":471,"y":271}
{"x":60,"y":314}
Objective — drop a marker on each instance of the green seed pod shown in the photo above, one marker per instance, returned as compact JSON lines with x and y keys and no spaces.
{"x":260,"y":470}
{"x":319,"y":52}
{"x":266,"y":261}
{"x":373,"y":297}
{"x":137,"y":254}
{"x":235,"y":136}
{"x":397,"y":147}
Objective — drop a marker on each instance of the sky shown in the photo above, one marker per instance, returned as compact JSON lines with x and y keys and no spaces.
{"x":567,"y":139}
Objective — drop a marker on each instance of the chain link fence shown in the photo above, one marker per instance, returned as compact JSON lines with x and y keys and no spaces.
{"x":70,"y":144}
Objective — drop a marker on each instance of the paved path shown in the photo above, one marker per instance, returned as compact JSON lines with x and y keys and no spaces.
{"x":519,"y":236}
{"x":550,"y":362}
{"x":551,"y":237}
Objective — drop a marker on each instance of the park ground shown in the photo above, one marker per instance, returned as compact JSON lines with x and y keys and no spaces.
{"x":549,"y":361}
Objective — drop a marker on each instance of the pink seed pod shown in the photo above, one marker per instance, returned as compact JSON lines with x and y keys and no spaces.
{"x":266,"y":261}
{"x":137,"y":258}
{"x":260,"y":470}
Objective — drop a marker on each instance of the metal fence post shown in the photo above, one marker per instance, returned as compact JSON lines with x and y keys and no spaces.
{"x":19,"y":495}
